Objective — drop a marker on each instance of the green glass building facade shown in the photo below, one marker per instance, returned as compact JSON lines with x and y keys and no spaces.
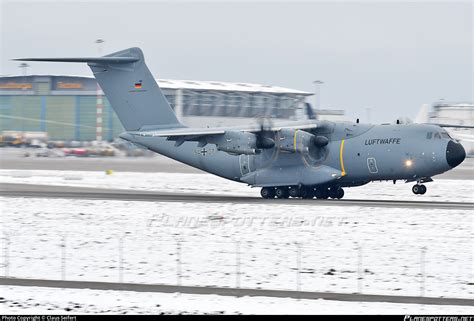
{"x":66,"y":106}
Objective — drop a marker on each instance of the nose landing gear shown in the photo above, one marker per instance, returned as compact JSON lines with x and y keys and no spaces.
{"x":419,"y":189}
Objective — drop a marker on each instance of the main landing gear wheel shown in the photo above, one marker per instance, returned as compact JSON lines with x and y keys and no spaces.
{"x":321,"y":193}
{"x":268,"y":192}
{"x":282,"y":192}
{"x":419,"y":189}
{"x":294,"y":191}
{"x":336,"y":193}
{"x":307,"y":192}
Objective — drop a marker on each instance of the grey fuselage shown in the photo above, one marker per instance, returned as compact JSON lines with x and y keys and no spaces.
{"x":317,"y":153}
{"x":357,"y":153}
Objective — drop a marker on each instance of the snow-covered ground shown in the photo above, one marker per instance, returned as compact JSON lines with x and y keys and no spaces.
{"x":341,"y":249}
{"x":94,"y":231}
{"x":439,"y":190}
{"x":24,"y":300}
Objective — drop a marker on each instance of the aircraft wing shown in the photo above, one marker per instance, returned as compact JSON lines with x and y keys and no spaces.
{"x":193,"y":133}
{"x":451,"y":126}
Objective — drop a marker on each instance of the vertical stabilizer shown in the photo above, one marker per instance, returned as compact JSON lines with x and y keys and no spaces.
{"x":422,"y":116}
{"x":133,"y":92}
{"x":130,"y":88}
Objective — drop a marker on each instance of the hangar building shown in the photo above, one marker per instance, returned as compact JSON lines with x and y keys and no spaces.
{"x":74,"y":108}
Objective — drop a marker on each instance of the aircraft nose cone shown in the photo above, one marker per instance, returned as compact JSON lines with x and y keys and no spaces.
{"x":455,"y":154}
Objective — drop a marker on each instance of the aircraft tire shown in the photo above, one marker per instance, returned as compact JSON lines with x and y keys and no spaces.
{"x":334,"y":192}
{"x":322,"y":193}
{"x":294,"y":191}
{"x":416,"y":189}
{"x":318,"y":194}
{"x":282,"y":192}
{"x":267,"y":192}
{"x":326,"y":194}
{"x":307,"y":192}
{"x":422,"y":189}
{"x":340,"y":193}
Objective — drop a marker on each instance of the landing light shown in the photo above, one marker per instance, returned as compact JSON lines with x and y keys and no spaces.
{"x":408,"y":163}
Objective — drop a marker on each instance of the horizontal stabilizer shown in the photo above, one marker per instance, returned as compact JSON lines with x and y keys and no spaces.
{"x":130,"y":88}
{"x":103,"y":60}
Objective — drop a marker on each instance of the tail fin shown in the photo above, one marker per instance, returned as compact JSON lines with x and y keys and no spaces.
{"x":130,"y":88}
{"x":423,"y":114}
{"x":310,"y":112}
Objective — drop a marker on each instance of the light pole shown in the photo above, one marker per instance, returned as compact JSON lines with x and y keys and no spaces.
{"x":317,"y":93}
{"x":24,"y":67}
{"x":99,"y":43}
{"x":99,"y":103}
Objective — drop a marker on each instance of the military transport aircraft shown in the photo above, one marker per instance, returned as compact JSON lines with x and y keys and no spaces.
{"x":306,"y":159}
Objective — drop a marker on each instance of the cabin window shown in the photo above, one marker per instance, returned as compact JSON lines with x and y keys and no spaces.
{"x":429,"y":135}
{"x":437,"y":135}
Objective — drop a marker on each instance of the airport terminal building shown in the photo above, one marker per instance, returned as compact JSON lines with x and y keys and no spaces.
{"x":453,"y":113}
{"x":456,"y":113}
{"x":74,"y":108}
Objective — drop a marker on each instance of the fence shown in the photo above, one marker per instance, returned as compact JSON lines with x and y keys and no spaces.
{"x":354,"y":268}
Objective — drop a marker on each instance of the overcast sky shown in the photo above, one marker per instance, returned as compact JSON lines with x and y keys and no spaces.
{"x":388,"y":56}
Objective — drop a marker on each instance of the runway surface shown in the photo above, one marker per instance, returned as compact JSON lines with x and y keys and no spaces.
{"x":238,"y":292}
{"x":13,"y":158}
{"x":69,"y":192}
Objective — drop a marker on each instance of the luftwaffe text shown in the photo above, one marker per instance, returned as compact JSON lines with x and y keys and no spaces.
{"x":382,"y":141}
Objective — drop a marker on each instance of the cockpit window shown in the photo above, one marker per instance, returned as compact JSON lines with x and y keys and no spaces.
{"x":437,"y":135}
{"x":445,"y":135}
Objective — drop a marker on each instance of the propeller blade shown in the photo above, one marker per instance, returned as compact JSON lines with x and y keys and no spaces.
{"x":262,"y":141}
{"x":310,"y":112}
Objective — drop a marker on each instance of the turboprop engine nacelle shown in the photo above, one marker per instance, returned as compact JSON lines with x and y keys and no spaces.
{"x":299,"y":141}
{"x":236,"y":142}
